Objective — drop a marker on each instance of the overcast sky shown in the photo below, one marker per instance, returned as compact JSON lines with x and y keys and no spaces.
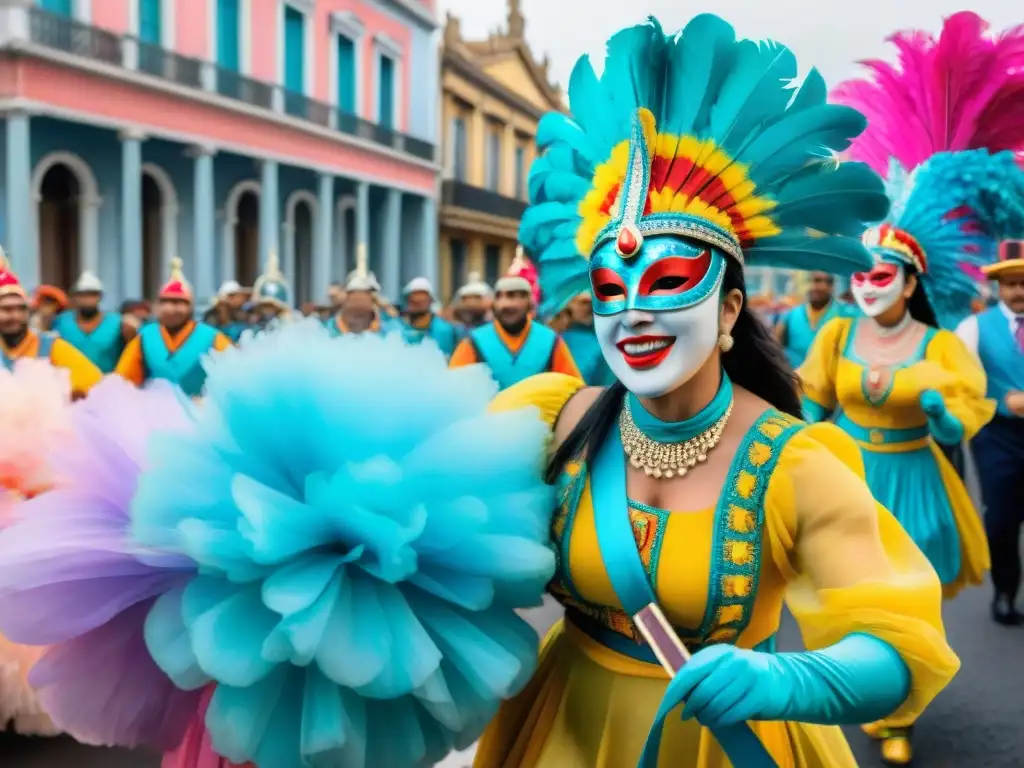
{"x":829,"y":34}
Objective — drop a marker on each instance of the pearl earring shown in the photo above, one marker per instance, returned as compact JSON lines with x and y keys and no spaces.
{"x":725,"y":341}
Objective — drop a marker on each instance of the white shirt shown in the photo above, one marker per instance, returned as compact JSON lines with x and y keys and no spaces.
{"x":968,"y":329}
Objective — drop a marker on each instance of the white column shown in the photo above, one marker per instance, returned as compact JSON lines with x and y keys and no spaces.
{"x":131,"y":214}
{"x":21,"y":225}
{"x":391,"y":257}
{"x":324,"y":236}
{"x":270,"y":212}
{"x":204,"y":214}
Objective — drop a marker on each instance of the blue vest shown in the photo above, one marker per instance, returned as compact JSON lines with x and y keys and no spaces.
{"x":507,"y":368}
{"x":1001,"y":357}
{"x":439,"y":329}
{"x":46,"y":340}
{"x":586,"y":352}
{"x":183,"y":366}
{"x":103,"y":345}
{"x":800,"y":333}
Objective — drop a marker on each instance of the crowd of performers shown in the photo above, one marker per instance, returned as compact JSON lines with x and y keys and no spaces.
{"x":307,"y":545}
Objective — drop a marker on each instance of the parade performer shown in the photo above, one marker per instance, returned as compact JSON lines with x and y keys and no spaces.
{"x":100,"y":336}
{"x":686,"y":160}
{"x":48,"y":302}
{"x":513,"y":345}
{"x":34,"y":423}
{"x":996,"y":336}
{"x":172,"y":348}
{"x":18,"y":341}
{"x":420,"y":322}
{"x":472,"y":305}
{"x":360,"y":311}
{"x":922,"y":391}
{"x":361,"y":537}
{"x":227,"y":314}
{"x":796,"y":329}
{"x":272,"y":296}
{"x":582,"y":342}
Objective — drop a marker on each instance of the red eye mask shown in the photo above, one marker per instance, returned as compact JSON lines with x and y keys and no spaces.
{"x":880,"y":276}
{"x":674,"y":274}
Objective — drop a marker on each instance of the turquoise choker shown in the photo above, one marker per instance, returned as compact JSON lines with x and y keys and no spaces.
{"x":670,"y":449}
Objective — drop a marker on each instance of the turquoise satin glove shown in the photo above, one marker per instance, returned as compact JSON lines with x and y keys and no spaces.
{"x":813,"y":412}
{"x":944,"y":426}
{"x":860,"y":679}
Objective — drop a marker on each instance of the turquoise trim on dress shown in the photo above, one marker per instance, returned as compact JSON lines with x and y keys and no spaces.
{"x":572,"y":491}
{"x":739,"y":520}
{"x":880,"y":435}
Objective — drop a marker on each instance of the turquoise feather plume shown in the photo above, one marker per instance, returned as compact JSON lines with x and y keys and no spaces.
{"x":722,"y":95}
{"x":957,"y":205}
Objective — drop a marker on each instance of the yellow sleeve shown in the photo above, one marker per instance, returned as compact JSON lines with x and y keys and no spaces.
{"x":221,"y":342}
{"x":464,"y":354}
{"x":131,"y":366}
{"x":850,"y":566}
{"x":548,"y":392}
{"x":818,"y":372}
{"x":963,"y":384}
{"x":84,"y":373}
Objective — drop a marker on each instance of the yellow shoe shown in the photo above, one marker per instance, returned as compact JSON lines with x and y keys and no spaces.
{"x":896,"y":749}
{"x":874,"y":730}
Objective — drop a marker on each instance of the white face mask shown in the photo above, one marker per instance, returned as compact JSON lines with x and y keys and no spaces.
{"x":878,"y":290}
{"x":654,"y":353}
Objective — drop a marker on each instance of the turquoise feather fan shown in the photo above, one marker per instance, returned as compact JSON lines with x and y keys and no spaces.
{"x":733,"y":145}
{"x":957,"y":206}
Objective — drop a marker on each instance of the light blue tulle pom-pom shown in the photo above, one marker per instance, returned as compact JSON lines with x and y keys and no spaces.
{"x":365,"y":530}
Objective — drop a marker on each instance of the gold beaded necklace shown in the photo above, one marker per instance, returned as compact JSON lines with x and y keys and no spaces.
{"x":667,"y":460}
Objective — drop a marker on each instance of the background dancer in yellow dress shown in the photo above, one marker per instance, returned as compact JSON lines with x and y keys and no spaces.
{"x":699,"y":160}
{"x":902,"y":383}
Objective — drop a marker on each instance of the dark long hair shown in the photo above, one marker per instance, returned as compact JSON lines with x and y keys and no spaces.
{"x":918,"y":305}
{"x":756,"y":362}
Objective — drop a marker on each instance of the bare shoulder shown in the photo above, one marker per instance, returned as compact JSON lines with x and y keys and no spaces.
{"x":573,"y":412}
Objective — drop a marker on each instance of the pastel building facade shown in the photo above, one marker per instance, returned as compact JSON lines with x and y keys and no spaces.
{"x":219,"y":131}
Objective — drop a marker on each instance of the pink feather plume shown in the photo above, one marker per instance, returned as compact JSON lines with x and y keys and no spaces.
{"x":964,"y":90}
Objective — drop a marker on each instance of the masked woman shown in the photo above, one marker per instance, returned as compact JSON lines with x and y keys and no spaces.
{"x":899,"y":381}
{"x":691,"y":482}
{"x":689,"y":488}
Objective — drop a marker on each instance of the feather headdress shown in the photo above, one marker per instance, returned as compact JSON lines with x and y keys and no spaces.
{"x":946,"y":222}
{"x":963,"y":90}
{"x":698,"y":135}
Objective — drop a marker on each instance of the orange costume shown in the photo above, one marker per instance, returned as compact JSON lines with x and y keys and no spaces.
{"x":157,"y":353}
{"x":84,"y":374}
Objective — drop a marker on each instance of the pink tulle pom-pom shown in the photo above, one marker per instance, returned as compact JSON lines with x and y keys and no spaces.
{"x":35,"y":401}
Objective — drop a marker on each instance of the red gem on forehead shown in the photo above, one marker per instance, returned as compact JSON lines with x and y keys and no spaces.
{"x":628,"y":241}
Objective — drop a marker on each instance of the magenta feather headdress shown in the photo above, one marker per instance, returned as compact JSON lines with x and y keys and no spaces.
{"x":964,"y":90}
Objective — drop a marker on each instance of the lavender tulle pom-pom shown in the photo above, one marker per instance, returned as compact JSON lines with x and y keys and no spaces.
{"x":72,"y":579}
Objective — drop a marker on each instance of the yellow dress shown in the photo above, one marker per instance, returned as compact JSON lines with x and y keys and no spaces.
{"x":723,"y":573}
{"x":905,"y":468}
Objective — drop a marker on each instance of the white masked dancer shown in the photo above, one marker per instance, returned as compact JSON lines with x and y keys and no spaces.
{"x":899,"y":380}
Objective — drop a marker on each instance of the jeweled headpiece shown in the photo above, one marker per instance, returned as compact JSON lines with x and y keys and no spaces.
{"x":697,"y":135}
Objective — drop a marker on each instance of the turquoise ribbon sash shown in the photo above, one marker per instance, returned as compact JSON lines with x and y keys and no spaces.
{"x":631,"y":585}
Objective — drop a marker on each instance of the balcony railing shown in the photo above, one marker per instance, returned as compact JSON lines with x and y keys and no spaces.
{"x":154,"y":60}
{"x":67,"y":35}
{"x":242,"y":88}
{"x":463,"y":195}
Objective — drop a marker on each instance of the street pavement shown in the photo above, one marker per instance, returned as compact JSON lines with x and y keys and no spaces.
{"x":975,"y":722}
